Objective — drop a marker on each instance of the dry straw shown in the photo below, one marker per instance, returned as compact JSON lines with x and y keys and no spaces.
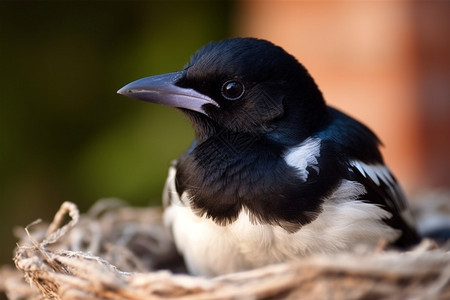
{"x":117,"y":252}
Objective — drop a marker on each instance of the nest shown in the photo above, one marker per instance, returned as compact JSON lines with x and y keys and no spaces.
{"x":119,"y":252}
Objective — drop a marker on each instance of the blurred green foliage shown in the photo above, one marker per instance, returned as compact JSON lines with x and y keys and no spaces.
{"x":64,"y":132}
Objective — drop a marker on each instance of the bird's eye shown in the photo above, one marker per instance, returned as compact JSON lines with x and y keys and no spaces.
{"x":232,"y":90}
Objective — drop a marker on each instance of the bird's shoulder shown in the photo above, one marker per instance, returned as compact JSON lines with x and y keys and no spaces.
{"x":349,"y":137}
{"x":356,"y":148}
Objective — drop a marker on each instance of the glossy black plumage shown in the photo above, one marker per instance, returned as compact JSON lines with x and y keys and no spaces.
{"x":251,"y":104}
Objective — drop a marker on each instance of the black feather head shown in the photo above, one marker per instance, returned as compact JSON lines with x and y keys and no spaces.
{"x":257,"y":86}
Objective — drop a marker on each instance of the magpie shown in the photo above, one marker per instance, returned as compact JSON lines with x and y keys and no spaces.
{"x":273,"y":173}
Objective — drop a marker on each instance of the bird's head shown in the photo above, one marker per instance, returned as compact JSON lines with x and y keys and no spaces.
{"x":244,"y":85}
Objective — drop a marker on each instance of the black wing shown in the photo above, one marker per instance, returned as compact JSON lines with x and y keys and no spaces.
{"x":383,"y":189}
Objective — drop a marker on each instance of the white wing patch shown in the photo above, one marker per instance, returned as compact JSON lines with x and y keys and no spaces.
{"x":374,"y":172}
{"x":303,"y":156}
{"x":379,"y":174}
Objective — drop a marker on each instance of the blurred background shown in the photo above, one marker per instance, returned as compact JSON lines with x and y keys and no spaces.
{"x":65,"y":135}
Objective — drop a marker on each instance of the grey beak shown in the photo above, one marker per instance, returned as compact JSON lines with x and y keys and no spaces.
{"x":161,"y":89}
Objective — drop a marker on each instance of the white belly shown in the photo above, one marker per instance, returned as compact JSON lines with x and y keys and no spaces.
{"x":210,"y":249}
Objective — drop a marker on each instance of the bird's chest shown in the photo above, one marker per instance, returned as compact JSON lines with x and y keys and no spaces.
{"x":222,"y":178}
{"x":257,"y":178}
{"x":210,"y":249}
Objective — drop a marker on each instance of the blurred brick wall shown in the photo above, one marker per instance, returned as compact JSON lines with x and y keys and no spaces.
{"x":432,"y":32}
{"x":385,"y":63}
